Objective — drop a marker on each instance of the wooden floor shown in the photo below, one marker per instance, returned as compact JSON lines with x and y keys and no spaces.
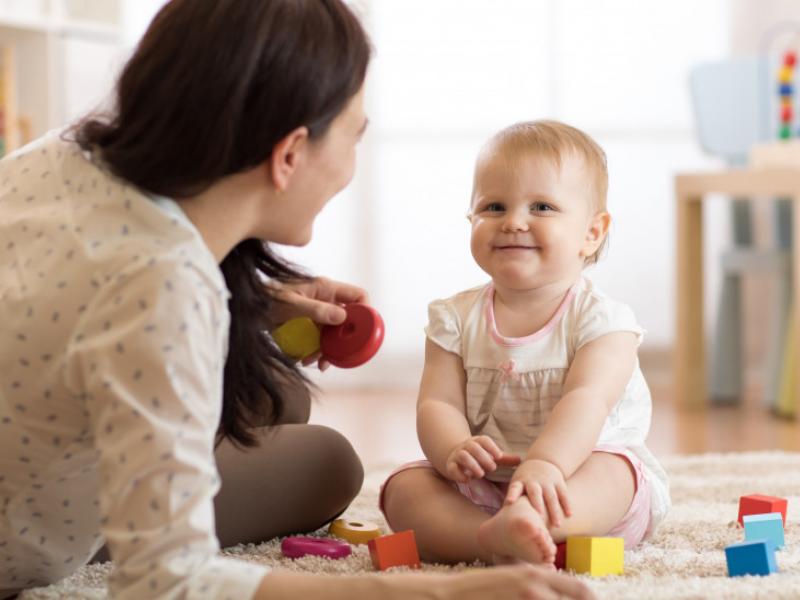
{"x":381,"y":423}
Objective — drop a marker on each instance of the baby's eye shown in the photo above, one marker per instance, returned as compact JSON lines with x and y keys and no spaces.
{"x":494,"y":207}
{"x":541,"y":207}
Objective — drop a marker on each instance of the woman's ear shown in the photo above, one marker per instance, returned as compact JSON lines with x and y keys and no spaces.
{"x":595,"y":234}
{"x":286,"y":155}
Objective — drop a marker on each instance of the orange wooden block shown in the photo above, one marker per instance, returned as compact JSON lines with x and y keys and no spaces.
{"x":396,"y":550}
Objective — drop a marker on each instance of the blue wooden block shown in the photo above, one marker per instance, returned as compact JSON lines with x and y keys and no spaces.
{"x":756,"y":557}
{"x":768,"y":526}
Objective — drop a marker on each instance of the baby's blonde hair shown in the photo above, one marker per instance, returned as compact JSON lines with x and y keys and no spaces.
{"x":553,"y":140}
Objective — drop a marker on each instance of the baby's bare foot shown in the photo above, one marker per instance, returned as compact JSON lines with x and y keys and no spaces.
{"x":517,"y":533}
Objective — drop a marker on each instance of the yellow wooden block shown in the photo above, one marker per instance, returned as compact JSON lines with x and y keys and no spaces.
{"x":355,"y":532}
{"x":596,"y":556}
{"x":298,"y":337}
{"x":786,"y":74}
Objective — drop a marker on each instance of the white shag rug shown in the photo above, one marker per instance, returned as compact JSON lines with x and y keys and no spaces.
{"x":685,"y":559}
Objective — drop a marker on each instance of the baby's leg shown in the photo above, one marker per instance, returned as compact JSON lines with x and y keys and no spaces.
{"x":600,"y":494}
{"x":445,"y":523}
{"x":451,"y":528}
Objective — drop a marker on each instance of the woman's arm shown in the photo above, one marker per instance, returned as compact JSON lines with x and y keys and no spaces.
{"x":506,"y":583}
{"x":596,"y":381}
{"x":148,"y":358}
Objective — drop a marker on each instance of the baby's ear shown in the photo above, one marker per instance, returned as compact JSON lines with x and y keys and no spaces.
{"x":595,"y":233}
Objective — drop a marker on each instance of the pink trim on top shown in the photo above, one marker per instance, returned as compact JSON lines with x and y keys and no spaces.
{"x":521,"y":341}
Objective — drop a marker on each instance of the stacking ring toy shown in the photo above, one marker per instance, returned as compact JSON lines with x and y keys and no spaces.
{"x":356,"y":340}
{"x":297,"y":338}
{"x":295,"y":547}
{"x":348,"y":345}
{"x":355,"y":532}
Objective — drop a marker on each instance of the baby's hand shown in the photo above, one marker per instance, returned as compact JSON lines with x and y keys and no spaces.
{"x":544,"y":484}
{"x":476,"y":456}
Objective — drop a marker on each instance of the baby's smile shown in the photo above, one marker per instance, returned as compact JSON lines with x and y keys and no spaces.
{"x":514,"y":245}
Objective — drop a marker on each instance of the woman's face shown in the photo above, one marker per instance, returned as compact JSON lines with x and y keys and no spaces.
{"x":324,"y":170}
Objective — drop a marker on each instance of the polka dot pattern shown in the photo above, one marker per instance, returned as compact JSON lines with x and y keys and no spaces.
{"x":112,"y":347}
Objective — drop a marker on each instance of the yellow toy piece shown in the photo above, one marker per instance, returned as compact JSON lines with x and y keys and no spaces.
{"x":597,"y":556}
{"x":786,"y":74}
{"x":355,"y":532}
{"x":297,"y":338}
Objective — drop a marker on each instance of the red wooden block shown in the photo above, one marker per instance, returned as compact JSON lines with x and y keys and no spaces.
{"x":756,"y":504}
{"x":396,"y":550}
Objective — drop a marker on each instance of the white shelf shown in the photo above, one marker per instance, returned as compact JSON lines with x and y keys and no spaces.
{"x":25,"y":23}
{"x":66,"y":53}
{"x":82,"y":28}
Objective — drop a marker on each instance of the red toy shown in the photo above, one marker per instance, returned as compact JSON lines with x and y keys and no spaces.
{"x":756,"y":504}
{"x":355,"y":341}
{"x":350,"y":344}
{"x":396,"y":550}
{"x":561,"y":556}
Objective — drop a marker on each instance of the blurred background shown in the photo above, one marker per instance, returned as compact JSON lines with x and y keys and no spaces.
{"x":446,"y":75}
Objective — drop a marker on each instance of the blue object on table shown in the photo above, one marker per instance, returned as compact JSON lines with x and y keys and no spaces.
{"x":755,"y":557}
{"x":734,"y":108}
{"x":768,"y":526}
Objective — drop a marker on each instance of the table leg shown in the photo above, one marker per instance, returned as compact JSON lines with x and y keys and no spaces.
{"x":690,"y":356}
{"x":795,"y":321}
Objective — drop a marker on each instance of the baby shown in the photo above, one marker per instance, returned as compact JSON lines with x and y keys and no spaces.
{"x":532,"y":409}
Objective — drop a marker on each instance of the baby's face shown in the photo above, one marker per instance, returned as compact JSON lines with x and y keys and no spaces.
{"x":531,"y":221}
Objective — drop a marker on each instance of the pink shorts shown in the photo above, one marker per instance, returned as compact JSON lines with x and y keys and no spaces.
{"x":489,"y":495}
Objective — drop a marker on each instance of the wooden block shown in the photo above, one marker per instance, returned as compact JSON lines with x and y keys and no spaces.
{"x":395,"y":550}
{"x":751,"y":558}
{"x":758,"y":504}
{"x":597,"y":556}
{"x":764,"y":527}
{"x":355,"y":532}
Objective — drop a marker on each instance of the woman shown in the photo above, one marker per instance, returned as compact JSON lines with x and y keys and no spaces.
{"x":136,"y":378}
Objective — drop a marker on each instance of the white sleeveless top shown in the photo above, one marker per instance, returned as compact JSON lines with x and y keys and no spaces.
{"x":513,"y":384}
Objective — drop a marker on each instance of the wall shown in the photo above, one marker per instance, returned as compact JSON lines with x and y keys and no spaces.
{"x":449,"y":73}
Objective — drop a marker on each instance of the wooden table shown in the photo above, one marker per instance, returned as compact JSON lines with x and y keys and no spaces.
{"x":691,"y":191}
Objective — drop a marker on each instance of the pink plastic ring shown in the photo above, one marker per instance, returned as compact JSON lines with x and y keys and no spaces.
{"x":295,"y":547}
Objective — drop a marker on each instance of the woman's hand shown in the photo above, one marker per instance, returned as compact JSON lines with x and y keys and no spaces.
{"x":521,"y":581}
{"x":543,"y":483}
{"x":474,"y":457}
{"x":320,"y":299}
{"x":518,"y":582}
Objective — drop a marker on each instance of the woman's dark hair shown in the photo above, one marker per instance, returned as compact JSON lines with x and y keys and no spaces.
{"x":209,"y":91}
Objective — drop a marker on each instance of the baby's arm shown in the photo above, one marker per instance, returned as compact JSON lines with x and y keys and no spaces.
{"x":595,"y":382}
{"x":441,"y":423}
{"x":442,"y":426}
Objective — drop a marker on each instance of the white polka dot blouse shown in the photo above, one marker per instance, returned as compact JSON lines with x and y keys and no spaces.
{"x":113,"y":336}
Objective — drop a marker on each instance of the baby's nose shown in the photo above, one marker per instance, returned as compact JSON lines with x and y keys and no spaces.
{"x":516,"y":220}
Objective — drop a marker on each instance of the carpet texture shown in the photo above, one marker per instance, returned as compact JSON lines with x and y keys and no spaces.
{"x":685,"y":558}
